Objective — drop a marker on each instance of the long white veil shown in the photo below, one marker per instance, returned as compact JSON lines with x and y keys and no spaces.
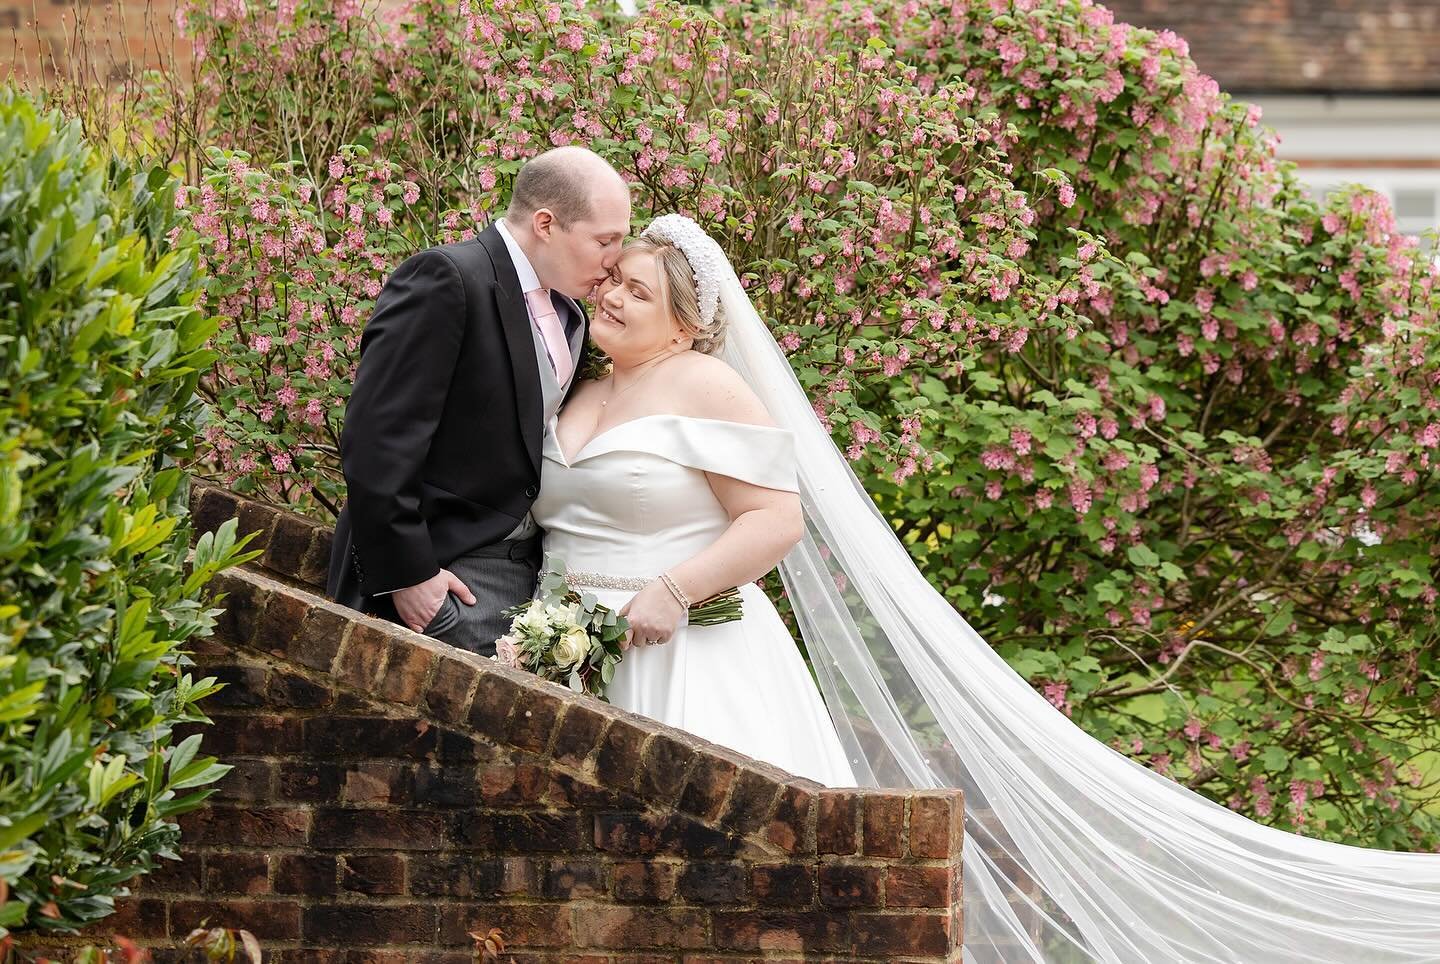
{"x":1072,"y":852}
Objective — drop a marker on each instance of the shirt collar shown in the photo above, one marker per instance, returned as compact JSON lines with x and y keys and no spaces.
{"x":524,"y":270}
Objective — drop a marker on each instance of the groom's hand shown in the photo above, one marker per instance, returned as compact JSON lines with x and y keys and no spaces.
{"x":418,"y":604}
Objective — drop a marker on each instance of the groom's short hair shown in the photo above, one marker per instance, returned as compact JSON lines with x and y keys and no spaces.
{"x":558,"y":180}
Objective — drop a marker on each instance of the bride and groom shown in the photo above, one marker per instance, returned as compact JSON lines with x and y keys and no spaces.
{"x":470,"y":440}
{"x":472,"y":447}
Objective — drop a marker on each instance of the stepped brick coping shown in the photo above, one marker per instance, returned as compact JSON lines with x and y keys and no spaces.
{"x":391,"y":793}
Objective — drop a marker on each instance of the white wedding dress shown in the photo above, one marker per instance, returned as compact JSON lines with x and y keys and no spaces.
{"x":632,"y":503}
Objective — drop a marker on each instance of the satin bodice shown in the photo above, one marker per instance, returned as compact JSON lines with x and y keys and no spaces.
{"x":634,"y":500}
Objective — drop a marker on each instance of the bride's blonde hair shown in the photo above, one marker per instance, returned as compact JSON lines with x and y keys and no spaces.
{"x":681,"y":296}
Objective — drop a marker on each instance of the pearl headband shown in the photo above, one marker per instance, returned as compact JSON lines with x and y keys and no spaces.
{"x":701,"y":251}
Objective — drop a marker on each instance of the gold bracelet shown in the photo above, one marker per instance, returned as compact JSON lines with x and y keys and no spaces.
{"x":674,"y":590}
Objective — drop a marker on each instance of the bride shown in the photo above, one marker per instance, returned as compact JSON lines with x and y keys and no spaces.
{"x":698,"y":463}
{"x":658,"y":495}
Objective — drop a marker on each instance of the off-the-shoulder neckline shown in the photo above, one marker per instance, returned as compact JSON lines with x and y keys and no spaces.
{"x":581,"y":455}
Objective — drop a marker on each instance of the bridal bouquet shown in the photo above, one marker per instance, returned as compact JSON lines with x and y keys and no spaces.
{"x":564,"y":635}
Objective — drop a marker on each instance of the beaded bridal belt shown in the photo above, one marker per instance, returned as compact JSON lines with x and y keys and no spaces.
{"x":723,"y":607}
{"x":578,"y":579}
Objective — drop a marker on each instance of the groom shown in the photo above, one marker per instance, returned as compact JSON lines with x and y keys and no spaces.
{"x":470,"y":351}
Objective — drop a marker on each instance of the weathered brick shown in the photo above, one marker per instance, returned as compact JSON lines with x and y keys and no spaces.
{"x":578,"y":735}
{"x":495,"y":696}
{"x":533,"y":720}
{"x":369,"y":737}
{"x":783,"y":885}
{"x":377,"y":782}
{"x":567,"y":791}
{"x":445,"y":786}
{"x":290,"y":690}
{"x":246,"y":827}
{"x":137,"y":918}
{"x":210,"y":507}
{"x":664,"y":766}
{"x":361,"y":660}
{"x":384,"y":829}
{"x":525,"y":832}
{"x":883,"y":824}
{"x":619,"y":755}
{"x":284,"y":614}
{"x":525,"y":925}
{"x":289,"y":541}
{"x":318,"y":640}
{"x":628,"y":928}
{"x":249,"y":781}
{"x":243,"y":686}
{"x":644,"y":834}
{"x":306,"y":781}
{"x":937,"y":825}
{"x":709,"y":882}
{"x":256,"y":518}
{"x":707,"y":787}
{"x":791,"y":827}
{"x":570,"y":879}
{"x":268,"y":920}
{"x":456,"y":747}
{"x":312,"y":875}
{"x":456,"y":875}
{"x":315,"y":567}
{"x":369,"y":924}
{"x":373,"y":874}
{"x":408,"y":669}
{"x":643,"y":881}
{"x":838,"y":823}
{"x":846,"y":885}
{"x":243,"y":602}
{"x":915,"y":886}
{"x":174,"y":876}
{"x":812,"y":931}
{"x":751,"y":801}
{"x":914,"y":935}
{"x":237,"y":873}
{"x":448,"y":694}
{"x":510,"y":783}
{"x":253,"y":734}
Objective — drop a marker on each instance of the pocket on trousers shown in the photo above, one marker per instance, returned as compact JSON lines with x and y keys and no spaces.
{"x":445,"y":618}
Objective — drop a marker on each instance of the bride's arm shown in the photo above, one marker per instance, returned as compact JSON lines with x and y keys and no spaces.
{"x":765,"y":524}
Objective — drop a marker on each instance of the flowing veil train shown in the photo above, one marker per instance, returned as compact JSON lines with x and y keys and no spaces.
{"x":1073,"y":852}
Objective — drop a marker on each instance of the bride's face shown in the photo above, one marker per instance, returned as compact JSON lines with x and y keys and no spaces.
{"x":632,"y":322}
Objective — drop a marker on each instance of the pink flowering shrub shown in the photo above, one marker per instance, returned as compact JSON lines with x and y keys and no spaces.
{"x":293,"y":274}
{"x":1160,"y":426}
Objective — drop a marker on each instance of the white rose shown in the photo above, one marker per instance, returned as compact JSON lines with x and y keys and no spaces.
{"x":535,"y":620}
{"x":572,"y":648}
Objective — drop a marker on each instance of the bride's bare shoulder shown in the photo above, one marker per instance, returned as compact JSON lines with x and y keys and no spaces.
{"x":704,"y":386}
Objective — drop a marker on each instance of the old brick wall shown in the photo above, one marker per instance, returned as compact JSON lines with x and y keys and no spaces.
{"x":101,"y":40}
{"x":392,"y":794}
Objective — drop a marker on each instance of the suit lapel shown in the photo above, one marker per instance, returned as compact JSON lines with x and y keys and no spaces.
{"x":515,"y":321}
{"x":584,"y":349}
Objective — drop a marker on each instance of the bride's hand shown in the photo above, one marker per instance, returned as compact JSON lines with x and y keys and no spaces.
{"x":654,"y":615}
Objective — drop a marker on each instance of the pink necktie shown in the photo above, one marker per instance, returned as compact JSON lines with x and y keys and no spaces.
{"x":542,"y":309}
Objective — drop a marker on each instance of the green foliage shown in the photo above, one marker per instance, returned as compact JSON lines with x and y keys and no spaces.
{"x":101,"y":345}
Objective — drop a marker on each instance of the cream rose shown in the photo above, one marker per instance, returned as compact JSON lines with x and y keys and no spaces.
{"x":572,"y":648}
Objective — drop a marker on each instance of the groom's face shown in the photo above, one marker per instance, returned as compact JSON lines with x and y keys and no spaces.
{"x":578,"y":256}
